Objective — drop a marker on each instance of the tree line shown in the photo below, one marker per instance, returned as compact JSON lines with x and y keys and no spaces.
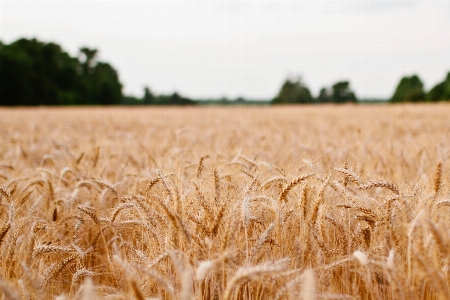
{"x":409,"y":89}
{"x":295,"y":91}
{"x":37,"y":73}
{"x":33,"y":72}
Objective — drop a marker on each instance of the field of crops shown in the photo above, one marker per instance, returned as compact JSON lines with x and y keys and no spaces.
{"x":293,"y":202}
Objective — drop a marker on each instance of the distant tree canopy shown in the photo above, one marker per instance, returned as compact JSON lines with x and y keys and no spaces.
{"x":37,"y":73}
{"x":340,"y":92}
{"x":441,"y":91}
{"x":409,"y":89}
{"x":293,"y":91}
{"x":174,"y":99}
{"x":148,"y":96}
{"x":150,"y":99}
{"x":324,"y":96}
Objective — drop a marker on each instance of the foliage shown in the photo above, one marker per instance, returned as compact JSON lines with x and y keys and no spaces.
{"x":149,"y":98}
{"x":409,"y":89}
{"x":324,"y":96}
{"x":340,"y":92}
{"x":441,"y":91}
{"x":293,"y":91}
{"x":104,"y":86}
{"x":37,"y":73}
{"x":173,"y":99}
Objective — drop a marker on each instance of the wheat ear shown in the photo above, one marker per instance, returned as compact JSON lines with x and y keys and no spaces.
{"x":349,"y":175}
{"x":380,"y":183}
{"x":55,"y":269}
{"x":216,"y":186}
{"x":5,"y":192}
{"x":200,"y":165}
{"x":90,"y":213}
{"x":217,"y":220}
{"x":3,"y":231}
{"x":437,"y":178}
{"x":443,"y":203}
{"x":291,"y":184}
{"x":262,"y":240}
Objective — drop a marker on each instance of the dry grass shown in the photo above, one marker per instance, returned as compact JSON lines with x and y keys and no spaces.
{"x":320,"y":202}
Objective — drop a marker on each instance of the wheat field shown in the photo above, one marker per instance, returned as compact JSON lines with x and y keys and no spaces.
{"x":290,"y":202}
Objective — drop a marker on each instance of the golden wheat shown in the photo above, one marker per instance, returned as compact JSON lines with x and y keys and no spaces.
{"x":225,"y":203}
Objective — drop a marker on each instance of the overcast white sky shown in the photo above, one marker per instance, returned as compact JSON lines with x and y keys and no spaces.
{"x":246,"y":48}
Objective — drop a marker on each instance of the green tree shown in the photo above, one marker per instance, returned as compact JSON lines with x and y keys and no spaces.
{"x":293,"y":91}
{"x":173,"y":99}
{"x":33,"y":73}
{"x":89,"y":57}
{"x":324,"y":96}
{"x":16,"y":72}
{"x":100,"y":82}
{"x":409,"y":89}
{"x":149,"y":98}
{"x":177,"y":99}
{"x":105,"y":86}
{"x":441,"y":91}
{"x":341,"y":93}
{"x":37,"y":73}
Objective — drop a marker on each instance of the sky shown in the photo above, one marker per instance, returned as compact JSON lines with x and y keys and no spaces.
{"x":213,"y":49}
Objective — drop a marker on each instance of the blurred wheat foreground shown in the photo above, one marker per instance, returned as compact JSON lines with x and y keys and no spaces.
{"x":308,"y":202}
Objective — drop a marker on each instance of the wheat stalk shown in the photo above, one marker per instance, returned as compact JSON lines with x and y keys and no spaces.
{"x":136,"y":291}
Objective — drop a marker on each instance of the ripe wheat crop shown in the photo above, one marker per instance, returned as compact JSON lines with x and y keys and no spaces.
{"x":308,"y":202}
